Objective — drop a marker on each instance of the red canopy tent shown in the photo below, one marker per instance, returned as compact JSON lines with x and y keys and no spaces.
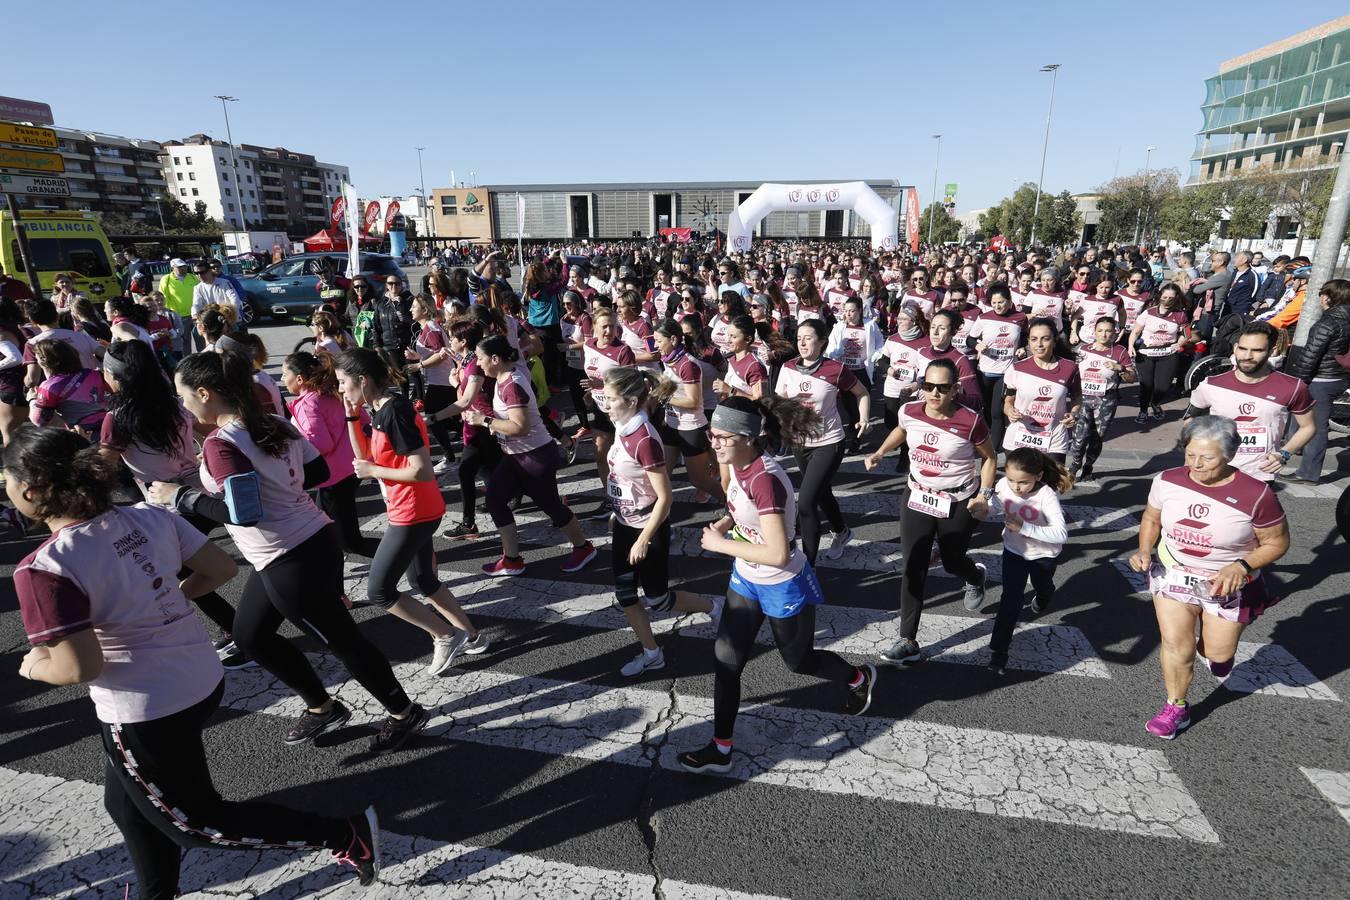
{"x":327,"y":240}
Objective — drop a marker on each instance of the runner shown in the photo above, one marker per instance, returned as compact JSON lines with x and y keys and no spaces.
{"x":1103,"y":366}
{"x":769,"y":577}
{"x":950,"y":485}
{"x":1102,"y":303}
{"x":997,"y":337}
{"x":745,"y":375}
{"x":1134,"y":298}
{"x":480,"y":449}
{"x":1158,"y":337}
{"x":818,"y":382}
{"x":69,"y":395}
{"x":602,"y":353}
{"x":730,"y":306}
{"x":941,"y":329}
{"x":684,"y":430}
{"x":1034,"y":532}
{"x":529,"y":463}
{"x":12,"y":369}
{"x":635,"y":331}
{"x":97,"y":615}
{"x":398,"y":453}
{"x":1047,"y":299}
{"x":904,"y":361}
{"x":1216,"y":529}
{"x":639,"y":487}
{"x":576,"y":330}
{"x":920,"y":294}
{"x":1043,"y":395}
{"x":856,"y":344}
{"x":430,"y":355}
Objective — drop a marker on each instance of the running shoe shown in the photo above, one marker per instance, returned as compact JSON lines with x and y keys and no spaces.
{"x":394,"y":733}
{"x":604,"y":510}
{"x":973,"y":598}
{"x":581,"y":433}
{"x":235,"y":660}
{"x":905,"y":650}
{"x":444,"y":650}
{"x":1141,"y":419}
{"x":841,"y":540}
{"x":1086,"y":476}
{"x":860,"y":696}
{"x":478,"y":645}
{"x":444,"y":467}
{"x":1170,"y":720}
{"x":464,"y":531}
{"x":363,"y":850}
{"x":311,"y":725}
{"x":505,"y":566}
{"x":710,"y":759}
{"x":998,"y":663}
{"x":1156,"y":413}
{"x":571,"y":451}
{"x":701,"y":497}
{"x":579,"y":558}
{"x":645,"y":661}
{"x":1038,"y":604}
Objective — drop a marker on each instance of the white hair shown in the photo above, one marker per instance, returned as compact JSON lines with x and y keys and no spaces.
{"x":1220,"y":429}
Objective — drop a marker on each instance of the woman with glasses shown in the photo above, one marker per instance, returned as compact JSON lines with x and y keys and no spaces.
{"x":363,"y":322}
{"x":952,"y":468}
{"x":1134,"y":298}
{"x":1042,"y":394}
{"x":920,"y":294}
{"x":1161,"y":333}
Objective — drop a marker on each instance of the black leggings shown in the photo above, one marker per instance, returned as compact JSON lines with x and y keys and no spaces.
{"x":481,"y":451}
{"x":891,"y":414}
{"x":338,"y":501}
{"x":818,"y":466}
{"x":404,"y":548}
{"x":534,"y":472}
{"x":917,"y":532}
{"x":849,"y":411}
{"x":991,"y":391}
{"x":1016,"y":571}
{"x":577,"y":388}
{"x":1156,"y":374}
{"x":435,"y":398}
{"x":157,"y":789}
{"x":795,"y":637}
{"x":304,"y":587}
{"x":212,"y":605}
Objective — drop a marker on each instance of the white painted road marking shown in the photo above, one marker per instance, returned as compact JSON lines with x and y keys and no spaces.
{"x":1335,"y":786}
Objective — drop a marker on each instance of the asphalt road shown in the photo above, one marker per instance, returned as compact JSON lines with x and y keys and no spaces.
{"x":557,"y":778}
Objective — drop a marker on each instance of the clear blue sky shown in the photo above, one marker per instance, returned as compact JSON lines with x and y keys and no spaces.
{"x":543,"y":92}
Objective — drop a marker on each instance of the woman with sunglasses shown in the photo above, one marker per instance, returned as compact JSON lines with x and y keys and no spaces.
{"x":770,"y":577}
{"x":952,"y":468}
{"x":1159,"y":336}
{"x":691,"y":306}
{"x":1134,"y":298}
{"x":920,"y":294}
{"x":730,"y":305}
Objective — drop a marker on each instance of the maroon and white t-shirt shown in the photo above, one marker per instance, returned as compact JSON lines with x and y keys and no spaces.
{"x":598,"y":361}
{"x":1160,"y":333}
{"x":1261,"y":411}
{"x":969,"y":392}
{"x":835,"y":298}
{"x":1134,"y":305}
{"x":1094,"y":370}
{"x":1207,"y":528}
{"x":744,"y":373}
{"x":820,"y":389}
{"x":576,"y":331}
{"x":905,"y":366}
{"x":636,"y":451}
{"x":927,"y":301}
{"x":942,"y":455}
{"x":178,"y":466}
{"x":969,"y":316}
{"x":515,"y":392}
{"x":757,"y":490}
{"x":684,"y":372}
{"x":659,"y":299}
{"x":1001,"y":336}
{"x":1047,"y":306}
{"x":721,"y":340}
{"x":637,"y":336}
{"x":1043,"y":398}
{"x":1091,"y":310}
{"x":432,"y":339}
{"x":117,"y":573}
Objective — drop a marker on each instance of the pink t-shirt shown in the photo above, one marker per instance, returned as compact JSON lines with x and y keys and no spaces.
{"x":432,"y":339}
{"x":721,"y":340}
{"x":598,"y":361}
{"x":757,"y":490}
{"x":178,"y":466}
{"x":684,"y":371}
{"x":1001,"y":336}
{"x":906,"y":364}
{"x":81,"y":399}
{"x":469,"y":374}
{"x":1043,"y":397}
{"x":820,"y":390}
{"x":1092,"y":310}
{"x":1160,"y":333}
{"x":636,"y":451}
{"x":1097,"y":378}
{"x":1207,"y":528}
{"x":942,"y":455}
{"x":1261,"y":411}
{"x":322,"y":419}
{"x":744,"y":373}
{"x":516,"y":393}
{"x":1134,"y":305}
{"x":117,"y":573}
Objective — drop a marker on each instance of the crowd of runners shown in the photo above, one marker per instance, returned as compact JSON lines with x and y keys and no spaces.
{"x":991,"y":381}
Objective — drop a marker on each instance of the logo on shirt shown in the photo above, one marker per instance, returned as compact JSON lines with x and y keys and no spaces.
{"x":1248,"y":409}
{"x":930,"y":438}
{"x":1045,"y":390}
{"x":1198,"y":511}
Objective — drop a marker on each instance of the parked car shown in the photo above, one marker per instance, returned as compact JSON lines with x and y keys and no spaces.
{"x":289,"y":289}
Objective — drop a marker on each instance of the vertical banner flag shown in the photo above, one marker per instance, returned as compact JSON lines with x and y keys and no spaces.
{"x":372,"y":216}
{"x":520,"y":227}
{"x":390,"y":214}
{"x":338,"y":213}
{"x":912,"y":219}
{"x":353,"y":229}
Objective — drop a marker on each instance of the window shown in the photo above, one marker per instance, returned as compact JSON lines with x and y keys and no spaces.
{"x":227,"y":192}
{"x":449,"y":200}
{"x":180,"y":176}
{"x":177,"y":161}
{"x":83,"y":255}
{"x":182,"y":192}
{"x":449,"y":211}
{"x":189,"y":160}
{"x":194,"y":192}
{"x":230,"y":206}
{"x":248,"y":179}
{"x":251,"y":194}
{"x":192,"y":176}
{"x":255,"y":207}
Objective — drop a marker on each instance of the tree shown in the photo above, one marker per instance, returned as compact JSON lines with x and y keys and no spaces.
{"x":1189,"y":217}
{"x":945,"y":228}
{"x":1059,"y":222}
{"x":1131,"y":204}
{"x":1303,"y":193}
{"x":1011,"y":217}
{"x":1250,"y":202}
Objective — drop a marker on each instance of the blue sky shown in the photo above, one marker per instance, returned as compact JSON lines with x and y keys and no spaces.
{"x":542,"y":92}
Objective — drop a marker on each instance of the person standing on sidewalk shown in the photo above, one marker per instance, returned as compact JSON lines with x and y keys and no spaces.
{"x":1321,"y":366}
{"x":177,"y":286}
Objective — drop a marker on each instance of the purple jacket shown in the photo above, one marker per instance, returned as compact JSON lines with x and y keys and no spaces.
{"x":322,"y":419}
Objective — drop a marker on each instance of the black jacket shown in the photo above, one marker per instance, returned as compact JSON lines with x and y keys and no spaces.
{"x":1329,"y":338}
{"x":391,"y":329}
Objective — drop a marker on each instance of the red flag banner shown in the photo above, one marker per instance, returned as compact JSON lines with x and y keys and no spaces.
{"x":339,"y":210}
{"x":372,"y":216}
{"x":912,"y":219}
{"x":390,"y":214}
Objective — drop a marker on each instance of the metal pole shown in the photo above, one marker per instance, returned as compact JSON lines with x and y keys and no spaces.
{"x":1053,"y":69}
{"x":234,"y":164}
{"x":427,"y":211}
{"x":1328,"y":250}
{"x":1139,"y":213}
{"x":938,"y":159}
{"x":25,"y":253}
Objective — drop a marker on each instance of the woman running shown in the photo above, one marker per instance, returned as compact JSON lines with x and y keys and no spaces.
{"x":745,"y":376}
{"x":730,"y":306}
{"x":951,"y":482}
{"x":1134,"y":298}
{"x":942,"y":328}
{"x":635,"y":331}
{"x":576,"y":331}
{"x":69,"y":395}
{"x":997,"y":336}
{"x":1034,"y":532}
{"x":1103,"y":303}
{"x":602,"y":353}
{"x":770,"y":577}
{"x":1042,"y":395}
{"x":1047,"y":299}
{"x":1159,"y":337}
{"x":481,"y":451}
{"x":529,"y":463}
{"x":122,"y":623}
{"x":639,"y":488}
{"x":820,"y":383}
{"x":857,"y":344}
{"x":684,"y":430}
{"x":904,"y":362}
{"x":297,"y":563}
{"x":1103,"y":366}
{"x":329,"y":335}
{"x":430,"y":354}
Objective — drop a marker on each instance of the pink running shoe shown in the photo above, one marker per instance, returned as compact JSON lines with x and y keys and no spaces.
{"x":1170,"y":720}
{"x":505,"y":566}
{"x":579,"y":558}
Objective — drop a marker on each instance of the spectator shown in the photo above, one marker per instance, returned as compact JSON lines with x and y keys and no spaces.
{"x":1243,"y":289}
{"x":210,"y":291}
{"x":139,"y":278}
{"x":1274,"y":282}
{"x":218,"y":270}
{"x":177,"y":286}
{"x":1219,"y":281}
{"x":1286,"y":312}
{"x":12,"y":288}
{"x":1317,"y":365}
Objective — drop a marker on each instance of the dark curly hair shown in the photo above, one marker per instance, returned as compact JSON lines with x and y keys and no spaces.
{"x":144,"y":410}
{"x":66,"y":476}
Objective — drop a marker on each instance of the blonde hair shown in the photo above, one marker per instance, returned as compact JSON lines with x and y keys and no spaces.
{"x":649,"y":388}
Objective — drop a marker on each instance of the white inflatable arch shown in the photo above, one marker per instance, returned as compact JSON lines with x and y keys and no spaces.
{"x":855,"y":195}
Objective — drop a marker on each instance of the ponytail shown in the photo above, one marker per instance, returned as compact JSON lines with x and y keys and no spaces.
{"x":230,"y":375}
{"x":1046,"y":470}
{"x":360,"y":362}
{"x":648,"y":387}
{"x":66,"y":476}
{"x":498,"y":345}
{"x":315,"y":370}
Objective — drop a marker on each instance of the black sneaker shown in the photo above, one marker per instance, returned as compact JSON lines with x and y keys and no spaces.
{"x":1038,"y":604}
{"x":1141,"y":419}
{"x":363,"y":850}
{"x":998,"y":663}
{"x":1086,"y":477}
{"x":394,"y":733}
{"x":237,"y":660}
{"x":311,"y":725}
{"x":604,"y":510}
{"x":860,"y":697}
{"x":709,"y":759}
{"x":1157,"y":414}
{"x":905,"y":650}
{"x":464,"y":531}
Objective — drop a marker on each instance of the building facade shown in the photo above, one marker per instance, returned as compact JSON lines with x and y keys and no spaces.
{"x":107,"y":174}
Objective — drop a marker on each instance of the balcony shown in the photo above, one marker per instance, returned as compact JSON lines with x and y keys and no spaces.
{"x":116,"y":179}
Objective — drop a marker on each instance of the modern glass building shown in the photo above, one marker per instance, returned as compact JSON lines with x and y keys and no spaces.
{"x":1285,"y":106}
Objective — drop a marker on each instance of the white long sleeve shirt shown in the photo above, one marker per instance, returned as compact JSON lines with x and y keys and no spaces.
{"x":1044,"y":529}
{"x":218,"y":292}
{"x":856,"y":346}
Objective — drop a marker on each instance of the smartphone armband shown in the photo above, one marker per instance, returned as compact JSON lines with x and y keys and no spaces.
{"x":243,"y":498}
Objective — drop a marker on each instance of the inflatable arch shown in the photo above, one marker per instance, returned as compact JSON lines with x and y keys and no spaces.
{"x":855,"y":195}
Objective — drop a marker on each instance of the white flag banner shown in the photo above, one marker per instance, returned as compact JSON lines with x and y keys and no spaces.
{"x":520,"y":214}
{"x":353,"y":223}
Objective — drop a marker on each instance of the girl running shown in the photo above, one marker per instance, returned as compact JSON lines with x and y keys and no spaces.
{"x":998,"y":335}
{"x":856,"y":344}
{"x":1103,"y":366}
{"x":430,"y":354}
{"x":745,"y":375}
{"x":1034,"y":532}
{"x":684,"y":430}
{"x":69,"y":395}
{"x":576,"y":330}
{"x":1043,"y":395}
{"x":481,"y":451}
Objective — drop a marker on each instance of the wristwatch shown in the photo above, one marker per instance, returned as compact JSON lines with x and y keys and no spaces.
{"x":1284,"y":455}
{"x":987,"y":493}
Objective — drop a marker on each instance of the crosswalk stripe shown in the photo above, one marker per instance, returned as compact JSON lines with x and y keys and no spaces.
{"x":1335,"y":786}
{"x":1094,"y":784}
{"x":71,"y":846}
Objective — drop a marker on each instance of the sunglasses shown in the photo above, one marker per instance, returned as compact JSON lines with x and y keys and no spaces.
{"x":361,"y":286}
{"x":938,"y":388}
{"x":394,"y":283}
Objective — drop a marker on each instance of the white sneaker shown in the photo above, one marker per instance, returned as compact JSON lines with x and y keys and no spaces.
{"x":841,"y":540}
{"x":444,"y":651}
{"x":444,"y":467}
{"x":477,"y":645}
{"x":645,"y":661}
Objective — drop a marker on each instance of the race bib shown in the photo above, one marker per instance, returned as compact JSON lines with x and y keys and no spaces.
{"x":937,"y":504}
{"x":618,"y":491}
{"x":1095,"y":388}
{"x":1253,"y":440}
{"x":1035,"y":440}
{"x":905,"y":374}
{"x":1180,"y":581}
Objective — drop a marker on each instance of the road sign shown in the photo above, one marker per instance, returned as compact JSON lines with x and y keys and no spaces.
{"x":34,"y":185}
{"x":27,"y":136}
{"x":30,"y":162}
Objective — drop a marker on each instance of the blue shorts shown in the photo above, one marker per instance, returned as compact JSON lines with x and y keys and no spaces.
{"x":785,"y":599}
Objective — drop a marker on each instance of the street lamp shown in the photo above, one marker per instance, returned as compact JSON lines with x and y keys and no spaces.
{"x":234,"y":165}
{"x":1138,"y":216}
{"x":425,"y":208}
{"x":936,"y":160}
{"x":1053,"y":69}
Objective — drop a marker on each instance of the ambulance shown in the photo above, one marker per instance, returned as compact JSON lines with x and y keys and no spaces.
{"x":62,"y":243}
